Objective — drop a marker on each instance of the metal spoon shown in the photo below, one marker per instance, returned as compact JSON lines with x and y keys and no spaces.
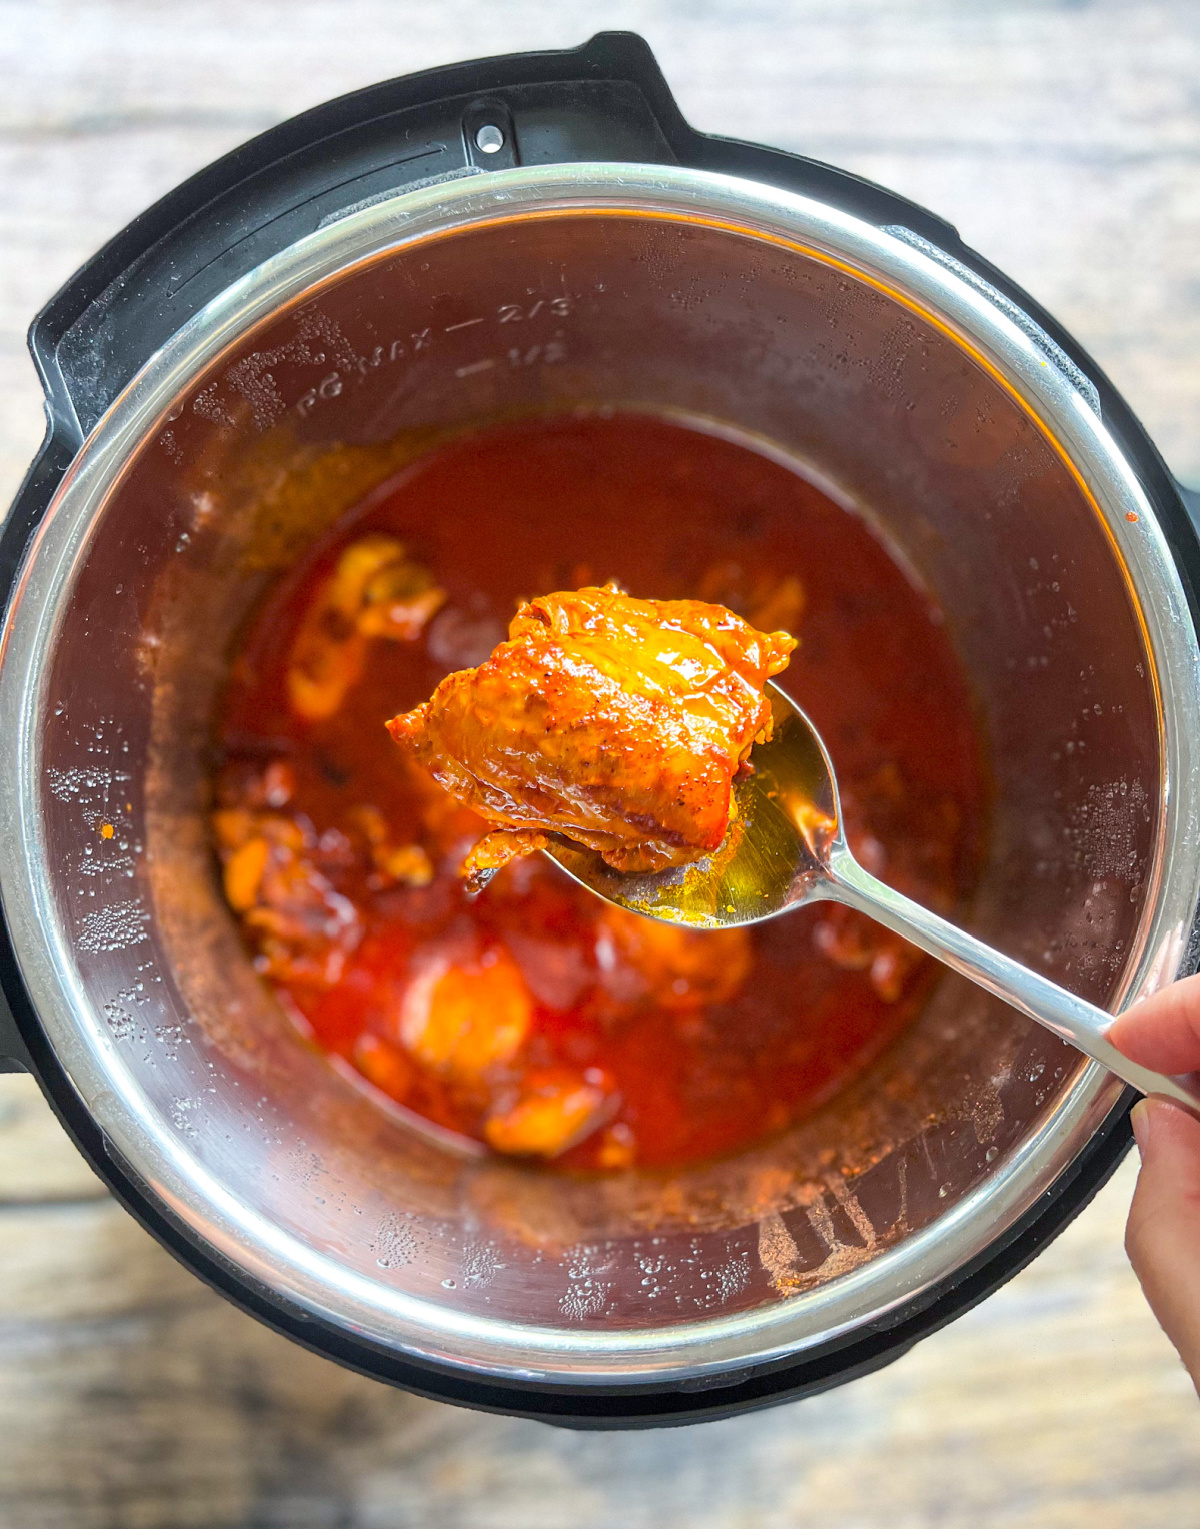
{"x":787,"y":848}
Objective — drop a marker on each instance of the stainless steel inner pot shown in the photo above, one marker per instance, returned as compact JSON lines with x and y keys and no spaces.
{"x":899,"y":382}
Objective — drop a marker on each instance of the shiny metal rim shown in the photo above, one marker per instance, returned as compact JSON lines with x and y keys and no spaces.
{"x":111,"y":1092}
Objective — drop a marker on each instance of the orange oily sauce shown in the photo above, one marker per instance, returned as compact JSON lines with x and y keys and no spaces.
{"x":534,"y":1019}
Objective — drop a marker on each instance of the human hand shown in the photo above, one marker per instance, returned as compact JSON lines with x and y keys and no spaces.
{"x":1163,"y":1234}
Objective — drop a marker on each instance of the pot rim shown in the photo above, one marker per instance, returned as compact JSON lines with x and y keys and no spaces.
{"x":1016,"y":354}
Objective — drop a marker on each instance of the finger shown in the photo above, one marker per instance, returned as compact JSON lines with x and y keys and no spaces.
{"x":1163,"y":1031}
{"x":1163,"y":1235}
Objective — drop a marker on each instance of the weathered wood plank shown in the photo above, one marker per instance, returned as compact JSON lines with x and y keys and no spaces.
{"x":37,"y":1162}
{"x":130,"y":1395}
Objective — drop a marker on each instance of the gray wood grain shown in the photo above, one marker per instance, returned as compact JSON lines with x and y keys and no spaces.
{"x":1064,"y":139}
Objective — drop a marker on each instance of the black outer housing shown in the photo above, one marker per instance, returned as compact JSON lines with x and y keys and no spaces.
{"x":606,"y":100}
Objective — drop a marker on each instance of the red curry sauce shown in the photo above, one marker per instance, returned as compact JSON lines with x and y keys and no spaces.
{"x":534,"y":1003}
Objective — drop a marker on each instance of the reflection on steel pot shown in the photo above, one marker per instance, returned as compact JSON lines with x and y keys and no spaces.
{"x":282,"y":333}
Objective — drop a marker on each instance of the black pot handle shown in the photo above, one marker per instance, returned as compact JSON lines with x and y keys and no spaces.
{"x":1191,"y":503}
{"x":14,"y":1055}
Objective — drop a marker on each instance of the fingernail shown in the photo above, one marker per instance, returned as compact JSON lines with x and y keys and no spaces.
{"x":1140,"y":1120}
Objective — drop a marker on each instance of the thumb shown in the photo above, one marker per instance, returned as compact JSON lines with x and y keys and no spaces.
{"x":1163,"y":1236}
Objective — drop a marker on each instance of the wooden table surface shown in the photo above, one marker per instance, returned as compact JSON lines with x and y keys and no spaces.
{"x":1063,"y":137}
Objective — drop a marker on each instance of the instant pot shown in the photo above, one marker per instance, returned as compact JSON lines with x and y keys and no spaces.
{"x":258,"y":351}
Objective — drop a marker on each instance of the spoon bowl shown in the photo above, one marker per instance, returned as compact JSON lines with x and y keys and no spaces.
{"x":786,"y":847}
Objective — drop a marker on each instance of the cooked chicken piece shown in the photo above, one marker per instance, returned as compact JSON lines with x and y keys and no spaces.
{"x":383,"y":1064}
{"x":406,"y":863}
{"x":618,"y":1147}
{"x":446,"y":823}
{"x":463,"y":1017}
{"x":618,"y":722}
{"x":495,"y":850}
{"x":399,"y":599}
{"x":856,"y":943}
{"x":554,"y":1108}
{"x":375,"y":590}
{"x":243,"y":873}
{"x":303,"y":926}
{"x":643,"y":960}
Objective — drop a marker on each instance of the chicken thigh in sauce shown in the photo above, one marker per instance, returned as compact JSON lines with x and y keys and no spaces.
{"x":618,"y":722}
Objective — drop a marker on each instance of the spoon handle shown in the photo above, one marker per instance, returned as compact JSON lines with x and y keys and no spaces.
{"x":1074,"y":1019}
